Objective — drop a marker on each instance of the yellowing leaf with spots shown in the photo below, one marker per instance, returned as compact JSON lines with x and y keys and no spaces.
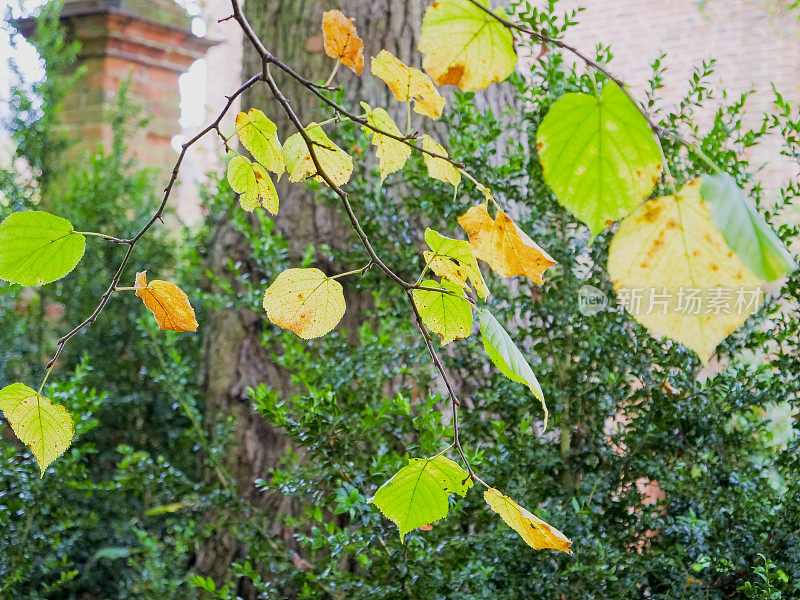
{"x":260,"y":136}
{"x":465,"y":46}
{"x":253,"y":184}
{"x":342,"y":41}
{"x":305,"y":301}
{"x":392,"y":154}
{"x":438,"y":168}
{"x":168,"y":303}
{"x":408,"y":83}
{"x":459,"y":251}
{"x":536,"y":533}
{"x":337,"y":164}
{"x":44,"y":427}
{"x":501,"y":243}
{"x":674,"y":272}
{"x":448,"y":314}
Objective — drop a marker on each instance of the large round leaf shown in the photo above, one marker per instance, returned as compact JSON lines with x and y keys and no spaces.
{"x":598,"y":155}
{"x":37,"y":248}
{"x":465,"y":46}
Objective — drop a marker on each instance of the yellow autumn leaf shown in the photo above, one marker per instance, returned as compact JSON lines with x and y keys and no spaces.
{"x":253,"y":184}
{"x":438,"y":168}
{"x":342,"y":41}
{"x":446,"y":268}
{"x":536,"y":533}
{"x":44,"y":427}
{"x":408,"y":83}
{"x":674,"y":272}
{"x":337,"y":164}
{"x":305,"y":301}
{"x":465,"y":46}
{"x":503,"y":245}
{"x":454,"y":250}
{"x":392,"y":154}
{"x":168,"y":303}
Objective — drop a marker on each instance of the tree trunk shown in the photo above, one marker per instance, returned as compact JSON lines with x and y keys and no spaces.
{"x":234,"y":358}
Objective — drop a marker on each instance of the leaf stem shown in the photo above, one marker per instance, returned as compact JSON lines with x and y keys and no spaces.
{"x":105,"y":236}
{"x":333,"y":73}
{"x":408,"y":117}
{"x":360,"y":271}
{"x":46,"y":375}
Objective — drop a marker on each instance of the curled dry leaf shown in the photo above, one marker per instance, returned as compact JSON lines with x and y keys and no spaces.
{"x":305,"y":301}
{"x":536,"y":533}
{"x":168,"y":303}
{"x":503,"y":245}
{"x":408,"y":83}
{"x":342,"y":41}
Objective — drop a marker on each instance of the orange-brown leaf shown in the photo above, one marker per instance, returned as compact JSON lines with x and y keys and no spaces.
{"x":168,"y":302}
{"x":503,"y":245}
{"x":537,"y":533}
{"x":342,"y":41}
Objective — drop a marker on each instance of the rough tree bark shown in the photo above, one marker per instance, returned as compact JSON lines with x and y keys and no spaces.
{"x":234,"y":358}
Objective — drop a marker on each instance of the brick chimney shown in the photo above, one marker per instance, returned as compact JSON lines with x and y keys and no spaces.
{"x":149,"y":41}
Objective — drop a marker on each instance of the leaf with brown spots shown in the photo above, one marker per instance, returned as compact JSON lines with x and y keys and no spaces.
{"x":536,"y":533}
{"x":502,"y":244}
{"x":305,"y":301}
{"x":674,"y":272}
{"x":168,"y":303}
{"x":342,"y":41}
{"x":408,"y":83}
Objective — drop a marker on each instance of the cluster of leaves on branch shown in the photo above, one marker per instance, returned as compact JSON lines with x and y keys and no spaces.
{"x":600,"y":155}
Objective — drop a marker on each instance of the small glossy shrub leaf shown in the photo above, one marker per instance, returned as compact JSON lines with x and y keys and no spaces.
{"x":337,"y":164}
{"x":438,"y":168}
{"x":408,"y":83}
{"x":305,"y":301}
{"x":44,"y":427}
{"x":260,"y":136}
{"x":503,"y":245}
{"x":460,"y":251}
{"x":448,"y":315}
{"x":392,"y":154}
{"x":419,"y":493}
{"x":598,"y":155}
{"x":37,"y":248}
{"x":168,"y":303}
{"x":744,"y":229}
{"x":675,"y":274}
{"x":253,"y":184}
{"x":464,"y":46}
{"x":536,"y":533}
{"x":342,"y":41}
{"x":507,"y":357}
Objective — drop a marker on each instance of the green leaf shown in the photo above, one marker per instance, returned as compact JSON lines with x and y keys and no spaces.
{"x":598,"y":155}
{"x":448,"y":315}
{"x":254,"y":185}
{"x":461,"y":251}
{"x":37,"y":248}
{"x":260,"y":136}
{"x":507,"y":357}
{"x":465,"y":46}
{"x":46,"y":428}
{"x":419,"y":493}
{"x":744,"y":229}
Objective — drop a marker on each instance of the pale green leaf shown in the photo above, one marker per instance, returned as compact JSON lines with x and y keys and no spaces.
{"x":507,"y":357}
{"x":744,"y":229}
{"x":448,"y":315}
{"x":392,"y":154}
{"x":461,"y":251}
{"x":465,"y":46}
{"x":259,"y":136}
{"x":37,"y":248}
{"x":419,"y":493}
{"x":46,"y":428}
{"x":253,"y":184}
{"x":598,"y":155}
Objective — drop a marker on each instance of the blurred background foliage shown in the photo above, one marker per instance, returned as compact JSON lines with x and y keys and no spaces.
{"x":122,"y":514}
